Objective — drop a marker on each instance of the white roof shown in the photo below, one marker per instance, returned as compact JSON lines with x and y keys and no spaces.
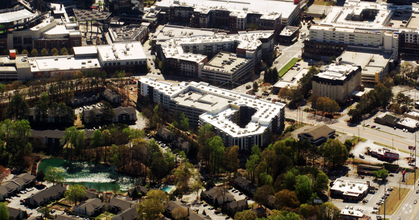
{"x":51,"y":63}
{"x":220,"y":105}
{"x":249,"y":6}
{"x":121,"y":51}
{"x":336,"y":72}
{"x":350,"y":187}
{"x":85,"y":50}
{"x":15,"y":16}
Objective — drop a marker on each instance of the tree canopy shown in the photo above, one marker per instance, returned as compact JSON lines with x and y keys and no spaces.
{"x":153,"y":205}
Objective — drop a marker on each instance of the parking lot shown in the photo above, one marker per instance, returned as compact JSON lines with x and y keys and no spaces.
{"x":15,"y":201}
{"x":80,"y":110}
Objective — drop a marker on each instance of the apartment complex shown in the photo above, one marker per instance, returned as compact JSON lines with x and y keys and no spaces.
{"x":231,"y":15}
{"x":337,"y":81}
{"x":187,"y":56}
{"x":227,"y":68}
{"x":239,"y":119}
{"x":356,"y":25}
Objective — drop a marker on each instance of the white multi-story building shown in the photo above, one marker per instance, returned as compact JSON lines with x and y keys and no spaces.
{"x":186,"y":56}
{"x":227,"y":68}
{"x":337,"y":81}
{"x":239,"y":119}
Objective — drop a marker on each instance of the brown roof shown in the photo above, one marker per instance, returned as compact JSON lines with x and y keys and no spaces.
{"x":317,"y":132}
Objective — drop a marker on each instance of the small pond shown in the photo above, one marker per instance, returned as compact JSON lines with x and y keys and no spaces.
{"x":93,"y":176}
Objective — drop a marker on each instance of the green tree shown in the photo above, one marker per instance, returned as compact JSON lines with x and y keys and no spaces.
{"x":24,"y":52}
{"x":303,"y":188}
{"x":245,"y":215}
{"x":286,"y":198}
{"x":251,"y":165}
{"x":321,"y":183}
{"x":96,"y":139}
{"x":205,"y":133}
{"x":41,"y":109}
{"x":182,"y":175}
{"x":40,"y":176}
{"x":45,"y":211}
{"x":179,"y":213}
{"x":107,"y":112}
{"x":34,"y":52}
{"x":153,"y":205}
{"x":328,"y":211}
{"x":44,"y":52}
{"x":92,"y":118}
{"x":64,"y":51}
{"x":75,"y":140}
{"x":54,"y":175}
{"x":18,"y":108}
{"x":231,"y":158}
{"x":335,"y":152}
{"x":380,"y":174}
{"x":217,"y":152}
{"x":54,"y":51}
{"x":75,"y":193}
{"x":4,"y":211}
{"x":255,"y":86}
{"x":262,"y":194}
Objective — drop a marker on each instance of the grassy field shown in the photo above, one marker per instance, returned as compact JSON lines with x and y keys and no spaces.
{"x":105,"y":216}
{"x":393,"y":201}
{"x":411,"y":179}
{"x":288,"y":66}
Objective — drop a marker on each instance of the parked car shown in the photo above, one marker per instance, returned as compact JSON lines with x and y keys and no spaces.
{"x":373,"y":126}
{"x":361,"y":156}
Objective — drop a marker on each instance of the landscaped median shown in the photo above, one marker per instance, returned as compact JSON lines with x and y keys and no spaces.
{"x":393,"y":201}
{"x":288,"y":66}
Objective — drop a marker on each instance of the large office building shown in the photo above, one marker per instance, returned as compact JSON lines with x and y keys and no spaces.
{"x":356,"y":25}
{"x":239,"y":119}
{"x":231,"y":15}
{"x":337,"y":82}
{"x":187,"y":56}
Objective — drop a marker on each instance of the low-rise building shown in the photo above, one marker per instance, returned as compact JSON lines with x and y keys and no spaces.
{"x":347,"y":214}
{"x":89,"y":207}
{"x":83,"y":99}
{"x":288,"y":34}
{"x":237,"y":206}
{"x":397,"y":122}
{"x":337,"y":82}
{"x":349,"y":190}
{"x":317,"y":135}
{"x":227,"y":68}
{"x":42,"y":197}
{"x":17,"y":214}
{"x":122,"y":115}
{"x":119,"y":204}
{"x":244,"y":184}
{"x":133,"y":32}
{"x":111,"y":96}
{"x":14,"y":67}
{"x":217,"y":195}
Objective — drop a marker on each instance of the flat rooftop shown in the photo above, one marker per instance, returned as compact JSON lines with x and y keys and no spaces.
{"x":15,"y":16}
{"x":174,"y":31}
{"x":226,"y":63}
{"x":369,"y":62}
{"x":126,"y":33}
{"x":352,"y":187}
{"x":251,"y":6}
{"x":62,"y":63}
{"x":336,"y":72}
{"x":408,"y":122}
{"x":90,"y":15}
{"x":288,"y":31}
{"x":121,"y":51}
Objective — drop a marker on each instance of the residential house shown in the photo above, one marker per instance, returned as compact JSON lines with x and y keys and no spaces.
{"x":172,"y":205}
{"x":118,"y":204}
{"x":91,"y":194}
{"x":24,"y":180}
{"x":122,"y":115}
{"x":8,"y":189}
{"x":129,"y":214}
{"x":317,"y":135}
{"x":244,"y":184}
{"x":44,"y":196}
{"x":217,"y":195}
{"x":237,"y":206}
{"x":165,"y":134}
{"x":16,"y":214}
{"x":111,"y":96}
{"x":140,"y":189}
{"x":51,"y":138}
{"x":83,"y":99}
{"x":89,"y":207}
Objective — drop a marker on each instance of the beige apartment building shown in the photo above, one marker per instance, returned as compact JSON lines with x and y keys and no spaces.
{"x":337,"y":82}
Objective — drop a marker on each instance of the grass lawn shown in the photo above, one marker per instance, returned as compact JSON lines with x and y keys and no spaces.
{"x":411,"y":179}
{"x":393,"y":201}
{"x":105,"y":216}
{"x":288,"y":66}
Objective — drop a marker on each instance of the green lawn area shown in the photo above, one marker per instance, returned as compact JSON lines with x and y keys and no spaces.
{"x":105,"y":216}
{"x":288,"y":66}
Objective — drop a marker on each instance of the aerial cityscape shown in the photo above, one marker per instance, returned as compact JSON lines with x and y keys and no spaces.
{"x":209,"y":109}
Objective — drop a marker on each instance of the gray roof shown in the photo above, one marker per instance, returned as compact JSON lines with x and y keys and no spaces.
{"x":128,"y":214}
{"x":242,"y":181}
{"x":14,"y":213}
{"x":10,"y":185}
{"x":3,"y":190}
{"x":124,"y":110}
{"x":109,"y":93}
{"x":222,"y":195}
{"x":317,"y":132}
{"x":240,"y":203}
{"x":52,"y":191}
{"x":91,"y":204}
{"x":15,"y":16}
{"x":122,"y":202}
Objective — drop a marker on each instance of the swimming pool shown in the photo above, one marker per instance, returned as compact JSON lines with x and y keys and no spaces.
{"x":167,"y":188}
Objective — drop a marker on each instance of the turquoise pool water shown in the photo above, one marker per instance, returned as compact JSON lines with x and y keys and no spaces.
{"x":93,"y":176}
{"x":167,"y":188}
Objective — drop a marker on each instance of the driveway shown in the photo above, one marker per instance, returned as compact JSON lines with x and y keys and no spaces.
{"x":15,"y":203}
